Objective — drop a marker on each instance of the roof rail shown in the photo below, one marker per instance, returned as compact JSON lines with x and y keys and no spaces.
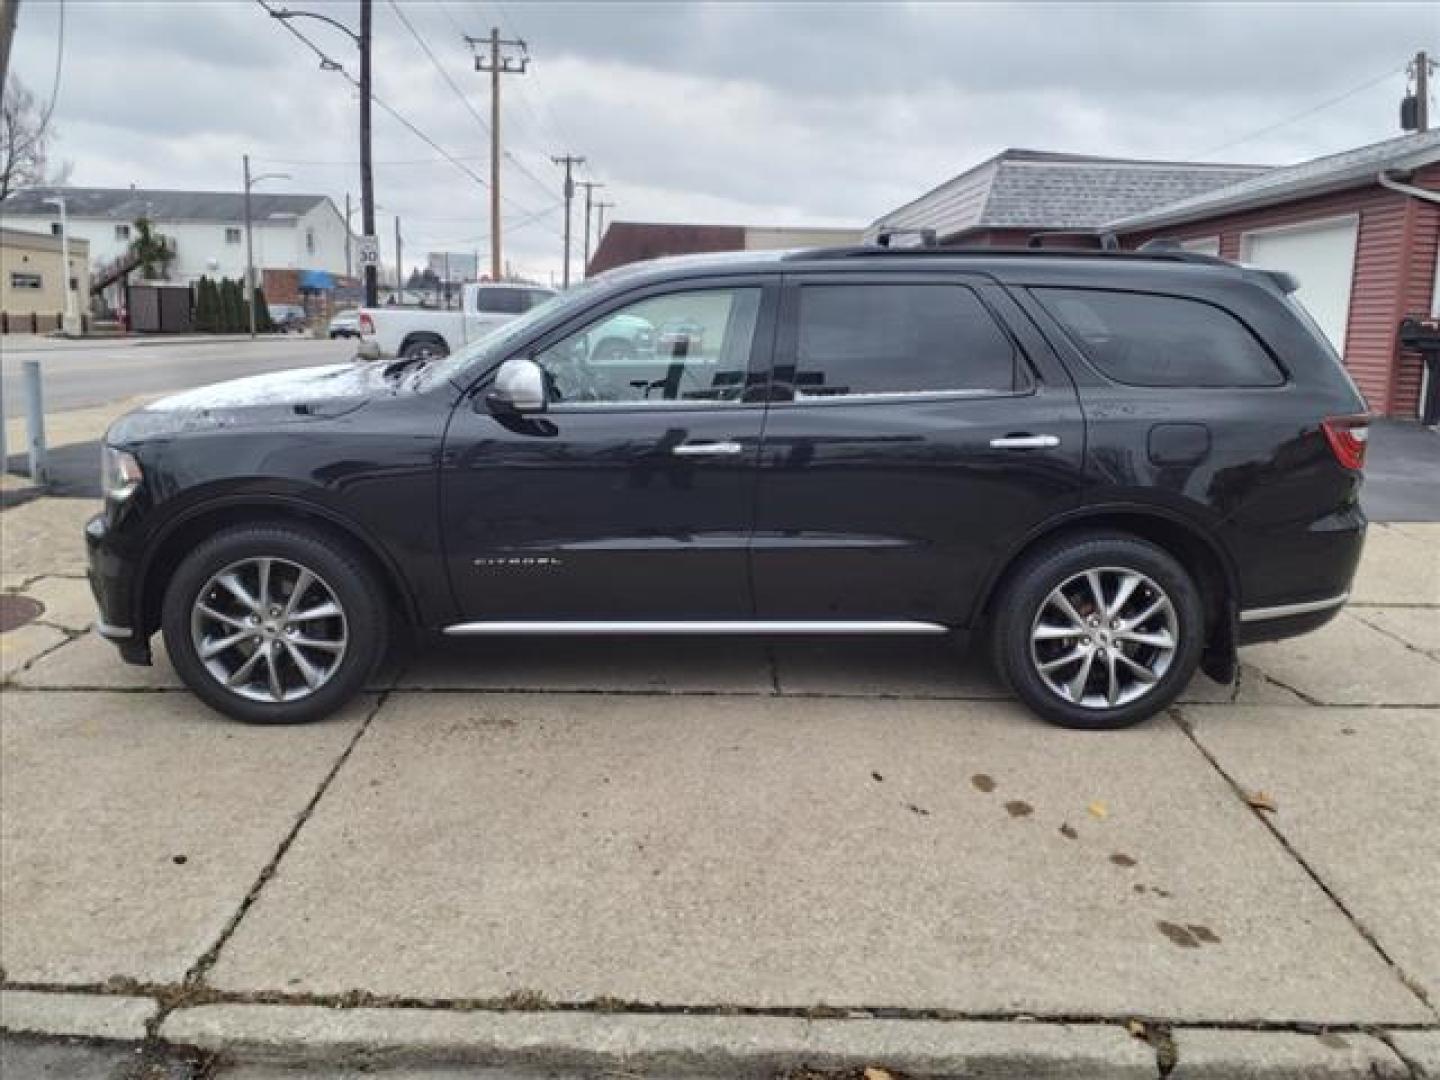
{"x":981,"y":252}
{"x":928,"y":237}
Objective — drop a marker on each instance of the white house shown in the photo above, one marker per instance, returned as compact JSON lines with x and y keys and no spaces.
{"x":206,"y":228}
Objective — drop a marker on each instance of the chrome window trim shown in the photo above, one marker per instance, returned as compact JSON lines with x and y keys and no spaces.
{"x":1282,"y":611}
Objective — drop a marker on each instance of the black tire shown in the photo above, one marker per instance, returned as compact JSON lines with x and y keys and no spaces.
{"x":427,"y":346}
{"x":1027,"y":590}
{"x":339,"y":570}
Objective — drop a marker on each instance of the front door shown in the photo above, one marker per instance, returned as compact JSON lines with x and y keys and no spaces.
{"x":920,"y":428}
{"x":631,"y":497}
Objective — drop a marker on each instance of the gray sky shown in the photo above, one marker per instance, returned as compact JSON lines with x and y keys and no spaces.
{"x":738,"y":113}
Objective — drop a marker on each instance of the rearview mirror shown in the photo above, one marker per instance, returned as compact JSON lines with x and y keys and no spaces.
{"x":519,"y":387}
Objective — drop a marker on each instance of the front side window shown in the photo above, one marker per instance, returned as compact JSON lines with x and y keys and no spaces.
{"x":691,"y":347}
{"x":868,"y":340}
{"x":1146,"y":339}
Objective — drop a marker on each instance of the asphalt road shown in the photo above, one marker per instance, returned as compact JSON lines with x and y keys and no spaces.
{"x":78,"y":375}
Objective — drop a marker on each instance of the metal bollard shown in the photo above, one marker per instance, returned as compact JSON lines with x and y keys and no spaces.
{"x":35,"y":423}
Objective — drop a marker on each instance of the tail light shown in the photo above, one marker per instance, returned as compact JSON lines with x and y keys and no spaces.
{"x":1348,"y":436}
{"x":367,"y":324}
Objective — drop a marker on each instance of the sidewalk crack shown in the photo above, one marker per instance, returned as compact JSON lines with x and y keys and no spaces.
{"x":194,"y":980}
{"x":1360,"y":928}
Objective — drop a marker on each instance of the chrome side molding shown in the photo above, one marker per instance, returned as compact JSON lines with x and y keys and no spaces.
{"x":1284,"y":610}
{"x":696,"y":626}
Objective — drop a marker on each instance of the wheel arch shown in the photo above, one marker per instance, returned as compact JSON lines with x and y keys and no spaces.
{"x":188,"y":530}
{"x":414,"y":337}
{"x":1200,"y":553}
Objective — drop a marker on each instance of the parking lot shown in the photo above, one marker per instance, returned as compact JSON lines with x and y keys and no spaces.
{"x":563,"y":844}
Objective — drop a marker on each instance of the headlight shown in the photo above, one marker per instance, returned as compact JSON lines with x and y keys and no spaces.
{"x":120,"y":474}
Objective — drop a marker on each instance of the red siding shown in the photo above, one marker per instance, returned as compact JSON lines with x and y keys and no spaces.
{"x":1394,"y":273}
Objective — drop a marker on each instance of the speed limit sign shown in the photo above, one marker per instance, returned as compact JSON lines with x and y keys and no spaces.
{"x":368,"y":251}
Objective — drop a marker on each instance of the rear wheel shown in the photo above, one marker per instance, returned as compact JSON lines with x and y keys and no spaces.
{"x":274,"y":624}
{"x":425,"y":349}
{"x":1100,"y":630}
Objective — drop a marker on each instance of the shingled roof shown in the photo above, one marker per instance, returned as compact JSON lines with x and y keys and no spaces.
{"x":1333,"y":172}
{"x":128,"y":204}
{"x":1032,"y":189}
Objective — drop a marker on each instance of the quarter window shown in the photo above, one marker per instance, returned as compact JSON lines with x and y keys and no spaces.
{"x":1145,"y":339}
{"x":691,"y":347}
{"x":869,"y":340}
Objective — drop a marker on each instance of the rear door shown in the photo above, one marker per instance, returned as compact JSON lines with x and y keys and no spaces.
{"x":919,"y":428}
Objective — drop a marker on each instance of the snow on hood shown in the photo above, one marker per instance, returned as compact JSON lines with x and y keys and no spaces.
{"x":297,"y":396}
{"x":299,"y":386}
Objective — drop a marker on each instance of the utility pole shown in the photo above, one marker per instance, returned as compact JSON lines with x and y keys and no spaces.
{"x":9,"y":15}
{"x":569,"y":161}
{"x":399,"y":296}
{"x":367,"y":179}
{"x":601,"y":205}
{"x":348,"y":244}
{"x":1422,"y":90}
{"x":250,"y":182}
{"x":589,"y":186}
{"x":497,"y":63}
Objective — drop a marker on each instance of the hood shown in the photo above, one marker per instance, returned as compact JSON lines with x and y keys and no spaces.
{"x":298,"y":396}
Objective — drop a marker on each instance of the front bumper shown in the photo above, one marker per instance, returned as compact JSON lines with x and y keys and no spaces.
{"x":112,"y":575}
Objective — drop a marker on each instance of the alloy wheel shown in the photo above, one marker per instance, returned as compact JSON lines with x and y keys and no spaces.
{"x":1104,"y":637}
{"x":269,"y":629}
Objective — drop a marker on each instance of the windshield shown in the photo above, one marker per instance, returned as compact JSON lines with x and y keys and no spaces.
{"x":493,"y":345}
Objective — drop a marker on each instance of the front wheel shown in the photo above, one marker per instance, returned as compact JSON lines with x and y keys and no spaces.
{"x":1100,"y":630}
{"x":274,"y":624}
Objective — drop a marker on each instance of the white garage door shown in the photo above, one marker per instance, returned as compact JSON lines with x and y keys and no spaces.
{"x":1322,"y":256}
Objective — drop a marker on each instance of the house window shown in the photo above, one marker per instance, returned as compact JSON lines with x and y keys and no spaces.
{"x":232,"y":236}
{"x":19,"y":280}
{"x":122,"y":232}
{"x":310,"y":241}
{"x":54,"y":228}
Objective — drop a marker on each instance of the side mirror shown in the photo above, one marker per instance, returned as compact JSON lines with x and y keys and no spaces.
{"x":367,"y":350}
{"x":519,"y":387}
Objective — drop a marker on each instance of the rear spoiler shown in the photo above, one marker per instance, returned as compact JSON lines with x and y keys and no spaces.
{"x":1283,"y":280}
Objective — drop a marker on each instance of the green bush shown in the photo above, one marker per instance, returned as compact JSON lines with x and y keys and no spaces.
{"x":263,"y":322}
{"x":204,"y":318}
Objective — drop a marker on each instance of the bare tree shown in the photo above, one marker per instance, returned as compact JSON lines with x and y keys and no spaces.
{"x":25,"y":134}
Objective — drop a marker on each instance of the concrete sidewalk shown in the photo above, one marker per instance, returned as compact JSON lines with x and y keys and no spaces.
{"x":728,"y":859}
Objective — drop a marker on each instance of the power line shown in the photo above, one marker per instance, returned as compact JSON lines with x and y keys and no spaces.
{"x":443,"y":73}
{"x":1302,"y":115}
{"x":328,"y":64}
{"x":59,"y":67}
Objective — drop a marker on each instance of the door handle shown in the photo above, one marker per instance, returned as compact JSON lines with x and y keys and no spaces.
{"x":1025,"y":442}
{"x":707,"y":449}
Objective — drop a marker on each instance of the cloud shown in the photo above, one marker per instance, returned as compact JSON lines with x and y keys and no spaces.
{"x":745,"y":113}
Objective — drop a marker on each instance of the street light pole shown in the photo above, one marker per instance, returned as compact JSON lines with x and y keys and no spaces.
{"x":72,"y":320}
{"x":250,"y":182}
{"x":367,"y":180}
{"x":367,"y":183}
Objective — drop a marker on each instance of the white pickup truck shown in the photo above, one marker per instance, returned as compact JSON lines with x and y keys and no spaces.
{"x":427,"y":333}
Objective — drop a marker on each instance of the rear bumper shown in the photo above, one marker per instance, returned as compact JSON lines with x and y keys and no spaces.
{"x":112,"y":577}
{"x":1287,"y":620}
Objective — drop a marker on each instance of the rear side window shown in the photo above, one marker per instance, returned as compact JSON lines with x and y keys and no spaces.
{"x":502,"y":301}
{"x":1145,"y":339}
{"x":873,"y":339}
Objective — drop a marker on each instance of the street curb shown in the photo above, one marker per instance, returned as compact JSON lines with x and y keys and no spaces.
{"x":671,"y":1045}
{"x":1283,"y":1055}
{"x":86,"y":1016}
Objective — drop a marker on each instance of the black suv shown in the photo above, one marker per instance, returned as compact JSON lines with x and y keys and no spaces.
{"x":1115,"y":466}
